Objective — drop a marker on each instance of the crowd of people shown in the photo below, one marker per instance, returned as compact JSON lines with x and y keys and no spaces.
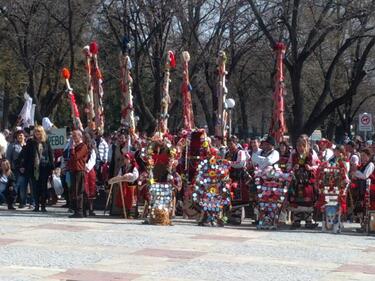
{"x":91,"y":160}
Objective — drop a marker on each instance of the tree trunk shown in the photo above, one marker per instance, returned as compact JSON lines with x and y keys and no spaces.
{"x":243,"y":107}
{"x":298,"y":107}
{"x":6,"y":101}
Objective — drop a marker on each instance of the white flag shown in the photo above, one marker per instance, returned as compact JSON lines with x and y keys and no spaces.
{"x":25,"y":115}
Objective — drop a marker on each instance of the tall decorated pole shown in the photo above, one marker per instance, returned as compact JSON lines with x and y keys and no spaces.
{"x":220,"y":125}
{"x":96,"y":80}
{"x":89,"y":107}
{"x":170,"y":62}
{"x":278,"y":126}
{"x":127,"y":108}
{"x":77,"y":124}
{"x":186,"y":92}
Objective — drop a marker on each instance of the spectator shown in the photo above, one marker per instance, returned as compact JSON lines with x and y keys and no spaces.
{"x":15,"y":158}
{"x":7,"y":192}
{"x":38,"y":165}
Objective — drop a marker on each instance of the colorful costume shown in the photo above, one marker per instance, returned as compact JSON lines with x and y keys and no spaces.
{"x":302,"y":191}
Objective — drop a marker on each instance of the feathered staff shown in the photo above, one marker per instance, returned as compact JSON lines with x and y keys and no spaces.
{"x":89,"y":108}
{"x":127,"y":109}
{"x":186,"y":92}
{"x":166,"y":100}
{"x":77,"y":124}
{"x":221,"y":96}
{"x":96,"y":84}
{"x":278,"y":126}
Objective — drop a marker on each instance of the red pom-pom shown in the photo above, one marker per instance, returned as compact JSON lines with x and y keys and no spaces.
{"x":172,"y":59}
{"x":94,"y":48}
{"x":280,"y":46}
{"x":66,"y":73}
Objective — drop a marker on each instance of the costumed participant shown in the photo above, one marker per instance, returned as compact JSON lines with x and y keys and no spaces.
{"x":263,"y":160}
{"x":303,"y":194}
{"x":363,"y":193}
{"x":160,"y":158}
{"x":333,"y":180}
{"x":102,"y":165}
{"x":284,"y":156}
{"x":90,"y":176}
{"x":78,"y":157}
{"x":212,"y":194}
{"x":341,"y":160}
{"x":140,"y":157}
{"x":176,"y":181}
{"x":325,"y":150}
{"x":268,"y":157}
{"x":119,"y":148}
{"x":353,"y":155}
{"x":240,"y":179}
{"x":270,"y":186}
{"x":127,"y":177}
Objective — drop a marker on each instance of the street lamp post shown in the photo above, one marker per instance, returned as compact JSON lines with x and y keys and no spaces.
{"x":229,"y":105}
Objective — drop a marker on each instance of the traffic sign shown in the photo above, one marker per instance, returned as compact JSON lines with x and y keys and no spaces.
{"x":57,"y":138}
{"x":365,"y":122}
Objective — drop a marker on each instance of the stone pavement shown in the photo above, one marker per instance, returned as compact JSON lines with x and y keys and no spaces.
{"x":36,"y":246}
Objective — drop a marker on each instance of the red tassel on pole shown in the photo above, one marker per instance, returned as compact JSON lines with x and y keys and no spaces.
{"x":65,"y":73}
{"x":172,"y":59}
{"x":94,"y":48}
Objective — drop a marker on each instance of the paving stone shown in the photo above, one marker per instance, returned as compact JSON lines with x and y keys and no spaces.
{"x":361,"y":268}
{"x":171,"y":254}
{"x":92,"y":275}
{"x":220,"y":238}
{"x":63,"y":227}
{"x":7,"y":241}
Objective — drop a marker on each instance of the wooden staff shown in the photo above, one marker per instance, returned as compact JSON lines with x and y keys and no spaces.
{"x":222,"y":91}
{"x":96,"y":82}
{"x":90,"y":90}
{"x":127,"y":108}
{"x":278,"y":125}
{"x":77,"y":124}
{"x":186,"y":91}
{"x":166,"y":99}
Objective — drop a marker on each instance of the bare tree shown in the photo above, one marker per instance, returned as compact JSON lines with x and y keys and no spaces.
{"x":305,"y":37}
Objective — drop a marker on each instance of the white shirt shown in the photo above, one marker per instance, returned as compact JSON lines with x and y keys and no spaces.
{"x":132,"y":177}
{"x":327,"y":154}
{"x":354,"y":159}
{"x":265,"y":161}
{"x":366,"y":173}
{"x":241,"y":160}
{"x":103,"y":150}
{"x":92,"y":160}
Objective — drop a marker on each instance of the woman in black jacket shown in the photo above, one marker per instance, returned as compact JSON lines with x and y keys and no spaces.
{"x":38,"y":163}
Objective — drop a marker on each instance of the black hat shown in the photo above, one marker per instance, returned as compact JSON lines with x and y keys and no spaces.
{"x":270,"y":140}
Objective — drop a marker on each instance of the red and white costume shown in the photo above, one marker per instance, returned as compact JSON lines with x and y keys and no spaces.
{"x":90,"y":176}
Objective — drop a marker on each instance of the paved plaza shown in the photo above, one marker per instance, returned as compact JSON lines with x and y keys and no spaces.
{"x":36,"y":246}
